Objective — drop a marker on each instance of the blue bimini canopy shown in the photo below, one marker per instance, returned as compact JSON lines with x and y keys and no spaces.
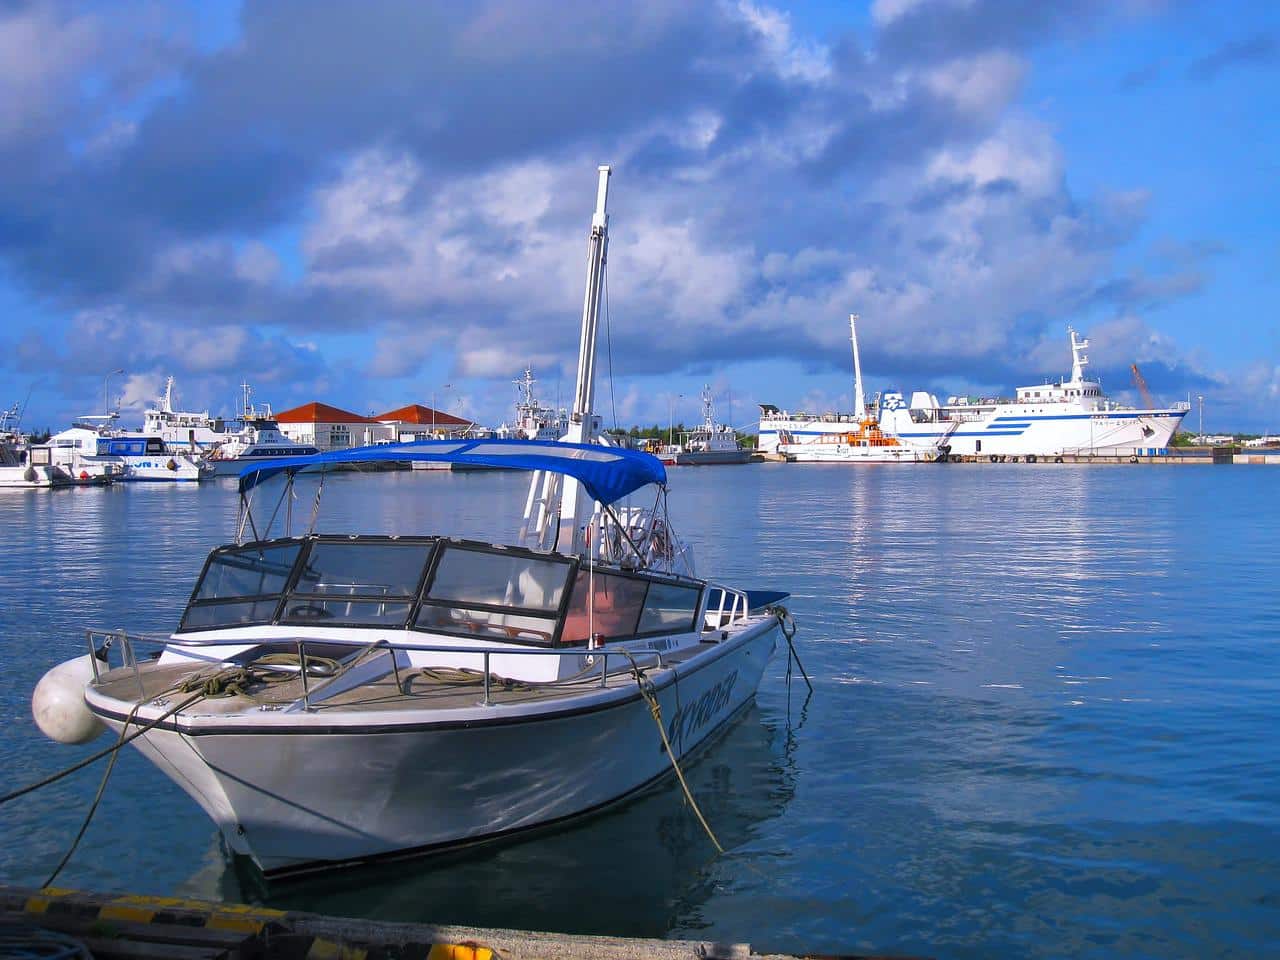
{"x":607,"y":473}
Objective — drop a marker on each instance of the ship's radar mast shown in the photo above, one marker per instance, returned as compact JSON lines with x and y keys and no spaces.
{"x":1078,"y":360}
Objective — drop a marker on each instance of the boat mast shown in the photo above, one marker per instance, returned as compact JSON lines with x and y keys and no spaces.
{"x":584,"y":425}
{"x":859,"y":399}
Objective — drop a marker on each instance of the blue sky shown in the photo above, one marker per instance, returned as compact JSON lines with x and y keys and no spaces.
{"x":375,"y":204}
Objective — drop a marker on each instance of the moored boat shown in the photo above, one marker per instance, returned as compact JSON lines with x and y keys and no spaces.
{"x":336,"y":699}
{"x":865,"y":441}
{"x":1072,"y":416}
{"x":709,"y":443}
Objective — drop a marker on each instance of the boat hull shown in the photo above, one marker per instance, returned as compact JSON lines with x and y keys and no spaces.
{"x":843,"y":453}
{"x":695,"y":458}
{"x":310,"y":797}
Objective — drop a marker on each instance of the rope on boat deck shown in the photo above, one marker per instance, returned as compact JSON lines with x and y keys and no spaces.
{"x":655,"y":709}
{"x":465,"y":677}
{"x":272,"y":668}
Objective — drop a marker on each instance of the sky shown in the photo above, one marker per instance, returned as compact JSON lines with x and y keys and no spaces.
{"x":372,"y":204}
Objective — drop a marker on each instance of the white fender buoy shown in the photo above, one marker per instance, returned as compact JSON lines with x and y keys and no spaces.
{"x":58,"y":703}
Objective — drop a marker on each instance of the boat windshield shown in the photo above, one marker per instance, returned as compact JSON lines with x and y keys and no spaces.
{"x":498,"y":594}
{"x":456,"y":588}
{"x":241,"y":585}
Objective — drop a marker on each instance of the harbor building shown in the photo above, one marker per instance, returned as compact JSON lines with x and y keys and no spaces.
{"x":332,"y":428}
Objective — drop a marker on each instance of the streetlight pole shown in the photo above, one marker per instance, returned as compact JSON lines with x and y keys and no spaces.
{"x":671,"y":419}
{"x":106,"y":394}
{"x":1201,"y":399}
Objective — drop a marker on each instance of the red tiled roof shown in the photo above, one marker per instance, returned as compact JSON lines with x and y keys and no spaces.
{"x":417,"y":413}
{"x":316,"y":412}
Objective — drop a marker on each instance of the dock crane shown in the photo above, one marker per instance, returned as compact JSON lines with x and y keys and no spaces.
{"x":1140,"y":382}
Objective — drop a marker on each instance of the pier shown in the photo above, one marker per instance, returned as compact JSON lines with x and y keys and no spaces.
{"x":120,"y":926}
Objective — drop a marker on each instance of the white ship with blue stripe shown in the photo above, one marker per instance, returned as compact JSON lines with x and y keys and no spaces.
{"x":1070,"y":417}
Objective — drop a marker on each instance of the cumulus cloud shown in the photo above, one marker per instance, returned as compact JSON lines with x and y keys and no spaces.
{"x":418,"y":179}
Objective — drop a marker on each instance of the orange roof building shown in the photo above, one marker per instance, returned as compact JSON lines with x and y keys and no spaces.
{"x":332,"y":428}
{"x":418,"y":415}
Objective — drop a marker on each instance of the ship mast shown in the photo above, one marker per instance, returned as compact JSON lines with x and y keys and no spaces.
{"x":1078,"y":359}
{"x":859,"y":398}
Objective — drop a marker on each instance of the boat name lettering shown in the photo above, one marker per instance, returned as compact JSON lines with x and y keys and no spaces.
{"x":691,"y":718}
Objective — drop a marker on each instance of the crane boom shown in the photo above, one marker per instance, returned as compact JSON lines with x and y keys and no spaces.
{"x":1140,"y":382}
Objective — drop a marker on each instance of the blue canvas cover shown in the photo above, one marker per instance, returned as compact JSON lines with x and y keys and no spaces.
{"x":607,"y":473}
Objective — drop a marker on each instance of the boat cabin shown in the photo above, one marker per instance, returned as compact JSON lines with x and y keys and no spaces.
{"x":436,"y":585}
{"x":131,"y":447}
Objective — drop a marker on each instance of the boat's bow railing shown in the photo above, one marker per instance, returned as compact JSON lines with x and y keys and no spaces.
{"x":101,"y":642}
{"x":733,"y":606}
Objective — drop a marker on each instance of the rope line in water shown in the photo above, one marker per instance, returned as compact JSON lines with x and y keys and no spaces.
{"x":655,"y":709}
{"x":80,"y":765}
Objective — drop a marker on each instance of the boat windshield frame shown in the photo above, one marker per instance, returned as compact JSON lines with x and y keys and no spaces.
{"x":526,"y":624}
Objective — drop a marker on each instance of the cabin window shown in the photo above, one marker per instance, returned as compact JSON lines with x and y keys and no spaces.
{"x":669,"y":608}
{"x":354,"y":582}
{"x":495,"y":594}
{"x":241,"y":586}
{"x":254,"y":571}
{"x":616,"y":605}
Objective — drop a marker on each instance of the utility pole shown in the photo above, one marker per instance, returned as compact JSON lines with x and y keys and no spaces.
{"x":1201,"y":399}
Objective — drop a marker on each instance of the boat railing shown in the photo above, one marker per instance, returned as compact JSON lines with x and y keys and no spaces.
{"x":734,"y":600}
{"x":625,"y":659}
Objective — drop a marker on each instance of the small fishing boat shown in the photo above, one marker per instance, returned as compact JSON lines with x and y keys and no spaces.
{"x":710,"y":443}
{"x":336,"y":699}
{"x":863,"y":440}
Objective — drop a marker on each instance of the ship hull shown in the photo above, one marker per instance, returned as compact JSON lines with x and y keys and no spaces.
{"x":1003,"y":431}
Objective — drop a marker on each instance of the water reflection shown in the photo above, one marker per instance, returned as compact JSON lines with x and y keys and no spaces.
{"x":629,"y":870}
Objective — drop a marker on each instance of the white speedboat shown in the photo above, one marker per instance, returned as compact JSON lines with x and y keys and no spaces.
{"x":20,"y":467}
{"x":1042,"y":420}
{"x":149,"y":459}
{"x":340,"y":699}
{"x":259,"y":439}
{"x":75,"y":451}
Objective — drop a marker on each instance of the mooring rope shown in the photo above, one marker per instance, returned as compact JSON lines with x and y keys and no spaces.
{"x":80,"y":765}
{"x":655,"y":709}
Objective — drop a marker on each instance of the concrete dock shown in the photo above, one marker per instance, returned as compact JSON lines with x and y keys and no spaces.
{"x":119,"y":926}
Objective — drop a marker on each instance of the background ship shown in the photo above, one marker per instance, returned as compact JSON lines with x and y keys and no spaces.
{"x":1050,"y":419}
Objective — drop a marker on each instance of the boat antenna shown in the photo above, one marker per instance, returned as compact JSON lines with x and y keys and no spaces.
{"x":859,"y":399}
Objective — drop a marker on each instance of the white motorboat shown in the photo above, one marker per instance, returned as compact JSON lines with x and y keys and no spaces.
{"x":259,"y":439}
{"x":340,"y":699}
{"x":20,"y":467}
{"x":863,"y":441}
{"x":76,"y":452}
{"x":149,"y":459}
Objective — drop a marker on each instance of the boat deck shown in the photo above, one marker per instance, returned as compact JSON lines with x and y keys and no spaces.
{"x":409,"y":688}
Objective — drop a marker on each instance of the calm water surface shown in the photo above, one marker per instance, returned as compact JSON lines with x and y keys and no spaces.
{"x":1044,"y":720}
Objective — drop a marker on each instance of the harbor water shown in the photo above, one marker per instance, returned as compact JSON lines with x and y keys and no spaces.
{"x":1044,"y":718}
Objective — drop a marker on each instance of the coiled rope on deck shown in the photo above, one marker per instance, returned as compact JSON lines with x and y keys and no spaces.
{"x":467,"y":677}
